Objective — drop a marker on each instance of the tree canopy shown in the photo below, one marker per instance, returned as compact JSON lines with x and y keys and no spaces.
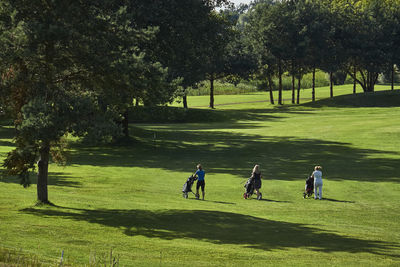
{"x":60,"y":64}
{"x":75,"y":67}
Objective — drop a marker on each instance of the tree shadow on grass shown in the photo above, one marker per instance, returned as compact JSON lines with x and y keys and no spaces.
{"x":221,"y":228}
{"x":382,"y":99}
{"x":7,"y":143}
{"x":6,"y":131}
{"x":281,"y":158}
{"x":54,"y":179}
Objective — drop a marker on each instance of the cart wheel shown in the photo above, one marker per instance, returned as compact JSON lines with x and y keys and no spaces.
{"x":259,"y":197}
{"x":185,"y":195}
{"x":245,"y":195}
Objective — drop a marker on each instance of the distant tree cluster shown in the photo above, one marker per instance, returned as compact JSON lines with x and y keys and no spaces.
{"x":360,"y":38}
{"x":77,"y":67}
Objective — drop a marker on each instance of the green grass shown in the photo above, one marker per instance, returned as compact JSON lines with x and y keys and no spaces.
{"x":263,"y":97}
{"x":128,"y":199}
{"x":224,"y":88}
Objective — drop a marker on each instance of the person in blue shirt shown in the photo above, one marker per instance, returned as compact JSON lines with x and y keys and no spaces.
{"x":200,"y":174}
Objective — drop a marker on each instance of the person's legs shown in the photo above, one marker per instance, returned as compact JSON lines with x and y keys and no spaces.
{"x":315,"y":191}
{"x":320,"y":191}
{"x":257,"y":186}
{"x":197,"y":189}
{"x":203,"y":185}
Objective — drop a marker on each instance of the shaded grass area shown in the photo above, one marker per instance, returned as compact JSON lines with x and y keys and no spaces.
{"x":288,"y":156}
{"x":127,"y":197}
{"x":228,"y":107}
{"x":218,"y":227}
{"x":373,"y":99}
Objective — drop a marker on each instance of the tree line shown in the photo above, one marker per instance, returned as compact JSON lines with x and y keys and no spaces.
{"x":76,"y":67}
{"x":357,"y":38}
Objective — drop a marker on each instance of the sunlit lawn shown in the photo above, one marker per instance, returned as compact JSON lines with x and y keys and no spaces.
{"x":223,"y":101}
{"x":128,"y":198}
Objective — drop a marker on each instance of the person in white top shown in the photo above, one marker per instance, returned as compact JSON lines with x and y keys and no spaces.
{"x":317,"y":174}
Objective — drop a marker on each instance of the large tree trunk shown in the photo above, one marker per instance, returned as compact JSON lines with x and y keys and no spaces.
{"x":331,"y":83}
{"x":354,"y":80}
{"x":43,"y":170}
{"x":271,"y":95}
{"x":125,"y":124}
{"x":211,"y":93}
{"x":370,"y":81}
{"x":392,"y":77}
{"x":280,"y":83}
{"x":313,"y":84}
{"x":298,"y":90}
{"x":374,"y":79}
{"x":367,"y":81}
{"x":185,"y":103}
{"x":293,"y":83}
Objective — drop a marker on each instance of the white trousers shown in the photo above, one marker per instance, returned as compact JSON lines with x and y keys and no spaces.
{"x":318,"y":185}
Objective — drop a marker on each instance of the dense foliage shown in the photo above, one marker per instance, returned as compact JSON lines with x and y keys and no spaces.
{"x":358,"y":38}
{"x":75,"y":68}
{"x":78,"y":67}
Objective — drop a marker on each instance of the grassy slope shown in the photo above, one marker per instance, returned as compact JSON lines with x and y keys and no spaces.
{"x":128,"y":198}
{"x":305,"y":95}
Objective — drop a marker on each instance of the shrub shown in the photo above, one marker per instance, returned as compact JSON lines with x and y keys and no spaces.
{"x":222,"y":88}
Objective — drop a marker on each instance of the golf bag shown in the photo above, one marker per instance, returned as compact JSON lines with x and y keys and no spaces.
{"x":187,"y":187}
{"x":309,"y":188}
{"x":249,"y":187}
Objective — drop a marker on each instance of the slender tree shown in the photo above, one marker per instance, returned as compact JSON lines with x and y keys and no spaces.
{"x":268,"y":25}
{"x":181,"y":39}
{"x":219,"y":59}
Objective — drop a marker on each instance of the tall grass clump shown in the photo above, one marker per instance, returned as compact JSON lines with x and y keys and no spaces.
{"x":245,"y":87}
{"x":12,"y":257}
{"x":222,"y":88}
{"x":321,"y":79}
{"x":104,"y":259}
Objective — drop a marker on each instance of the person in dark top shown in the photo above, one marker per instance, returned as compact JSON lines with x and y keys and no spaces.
{"x":256,"y":175}
{"x":200,"y":174}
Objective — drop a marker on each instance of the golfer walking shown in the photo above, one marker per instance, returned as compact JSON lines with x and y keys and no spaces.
{"x":200,"y":174}
{"x":317,"y":174}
